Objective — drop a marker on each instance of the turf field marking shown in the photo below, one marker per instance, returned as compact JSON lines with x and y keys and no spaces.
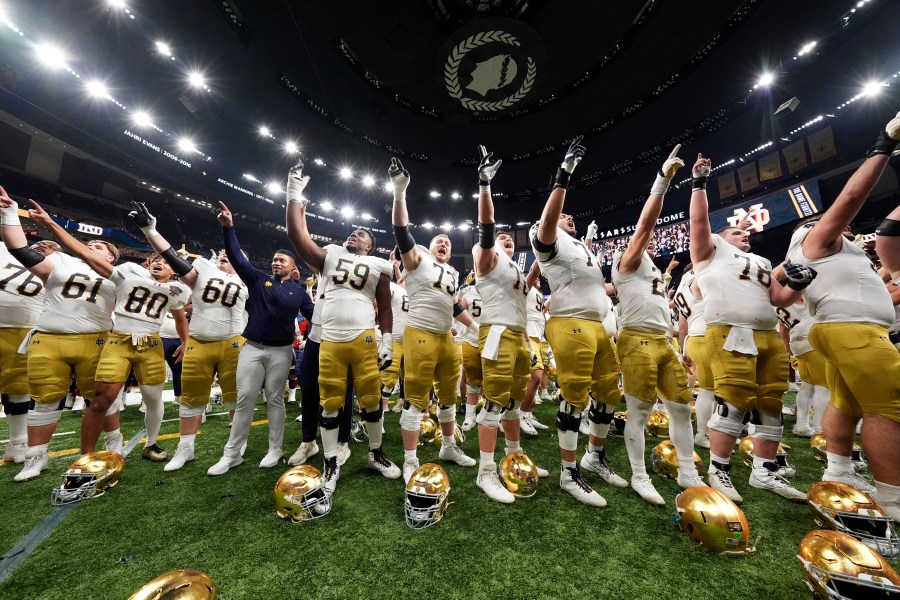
{"x":10,"y":561}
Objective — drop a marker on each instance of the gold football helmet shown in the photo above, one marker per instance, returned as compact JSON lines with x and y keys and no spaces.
{"x":519,"y":474}
{"x":857,"y":456}
{"x":438,"y":440}
{"x":840,"y":567}
{"x":88,"y":477}
{"x":300,"y":494}
{"x":817,"y":444}
{"x":785,"y":469}
{"x":184,"y":584}
{"x":844,"y":508}
{"x":664,"y":460}
{"x":712,"y":520}
{"x":427,"y":496}
{"x":658,"y":423}
{"x":426,"y":430}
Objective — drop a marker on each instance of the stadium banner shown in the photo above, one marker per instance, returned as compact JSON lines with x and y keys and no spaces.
{"x":727,"y":187}
{"x":821,"y":144}
{"x":795,"y":156}
{"x":747,"y":177}
{"x":770,"y":167}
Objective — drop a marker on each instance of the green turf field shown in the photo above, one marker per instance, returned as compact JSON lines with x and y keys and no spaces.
{"x":548,"y":546}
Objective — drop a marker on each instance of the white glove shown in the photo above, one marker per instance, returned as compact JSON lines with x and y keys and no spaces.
{"x":474,"y":328}
{"x":893,"y":127}
{"x":9,"y":215}
{"x":665,"y":175}
{"x":486,"y":170}
{"x":573,"y":155}
{"x":591,"y":232}
{"x":296,"y":183}
{"x":385,"y":351}
{"x":534,"y":357}
{"x":399,"y":179}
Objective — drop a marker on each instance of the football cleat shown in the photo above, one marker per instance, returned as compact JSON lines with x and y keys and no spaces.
{"x":33,"y":467}
{"x":595,"y":462}
{"x":468,"y":423}
{"x":114,"y":443}
{"x":304,"y":452}
{"x":839,"y":566}
{"x":535,"y":423}
{"x":766,"y":478}
{"x":343,"y":449}
{"x":184,"y":583}
{"x":380,"y":462}
{"x":154,"y":453}
{"x":427,"y":496}
{"x":689,"y":480}
{"x":720,"y":480}
{"x":183,"y":454}
{"x":14,"y":453}
{"x":806,"y":432}
{"x":225,"y":464}
{"x":851,"y":479}
{"x":526,"y":427}
{"x":713,"y":520}
{"x":644,"y":487}
{"x":331,"y":474}
{"x":701,"y":440}
{"x":409,"y":467}
{"x":489,"y":481}
{"x":300,"y":494}
{"x":843,"y":508}
{"x":88,"y":477}
{"x":572,"y":481}
{"x":455,"y":454}
{"x":271,"y":459}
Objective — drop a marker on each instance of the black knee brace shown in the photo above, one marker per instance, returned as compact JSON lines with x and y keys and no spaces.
{"x":567,"y":421}
{"x":330,"y":422}
{"x":722,"y":410}
{"x":756,"y":418}
{"x":14,"y":408}
{"x":599,"y":415}
{"x":372,"y":416}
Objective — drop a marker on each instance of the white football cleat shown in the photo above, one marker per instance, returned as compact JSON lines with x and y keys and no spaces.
{"x":720,"y":480}
{"x":304,"y":452}
{"x":225,"y":464}
{"x":183,"y":454}
{"x":114,"y":443}
{"x":701,"y":440}
{"x":851,"y":479}
{"x":409,"y":468}
{"x":33,"y":467}
{"x":806,"y":432}
{"x":764,"y":479}
{"x":381,"y":463}
{"x":15,"y":453}
{"x":535,"y":423}
{"x":271,"y":459}
{"x":331,"y":472}
{"x":455,"y":454}
{"x":526,"y":427}
{"x":468,"y":423}
{"x":595,"y":462}
{"x":690,"y":480}
{"x":572,"y":481}
{"x":489,"y":481}
{"x":343,"y":454}
{"x":644,"y":487}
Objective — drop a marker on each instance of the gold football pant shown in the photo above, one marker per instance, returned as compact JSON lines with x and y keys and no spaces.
{"x":695,"y":348}
{"x":390,"y":375}
{"x":507,"y":376}
{"x":542,"y":357}
{"x":862,"y":368}
{"x":53,"y":357}
{"x":120,"y":355}
{"x":13,"y":371}
{"x":359,"y":358}
{"x":431,"y":359}
{"x":744,"y":380}
{"x":202,"y":361}
{"x":651,"y":367}
{"x":812,"y":368}
{"x":585,"y":360}
{"x":471,"y":361}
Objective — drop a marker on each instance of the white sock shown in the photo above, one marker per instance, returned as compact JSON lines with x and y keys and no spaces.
{"x":759,"y":462}
{"x":470,"y":411}
{"x":821,"y":398}
{"x":592,"y":448}
{"x":705,"y":404}
{"x":886,"y":493}
{"x":837,"y":464}
{"x":486,"y":461}
{"x":513,"y":446}
{"x":568,"y":464}
{"x":329,"y":437}
{"x":804,"y":402}
{"x":292,"y":394}
{"x":721,"y":460}
{"x":682,"y":433}
{"x":409,"y":456}
{"x":152,"y":396}
{"x":113,"y":434}
{"x":634,"y":433}
{"x":375,"y":431}
{"x":187,"y":440}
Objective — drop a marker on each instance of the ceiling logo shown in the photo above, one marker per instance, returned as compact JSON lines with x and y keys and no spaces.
{"x":482,"y":69}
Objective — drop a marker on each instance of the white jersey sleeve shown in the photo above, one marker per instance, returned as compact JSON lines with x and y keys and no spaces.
{"x":534,"y":306}
{"x":846,"y":288}
{"x":350,"y":283}
{"x":141,"y":301}
{"x":77,"y":300}
{"x":400,"y":309}
{"x":503,"y":293}
{"x":431,"y":287}
{"x":735,"y":287}
{"x":576,"y":280}
{"x":643,"y":304}
{"x":690,"y":306}
{"x":21,"y":293}
{"x":219,"y":301}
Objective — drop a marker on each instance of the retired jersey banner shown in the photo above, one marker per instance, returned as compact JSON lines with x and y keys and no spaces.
{"x":770,"y":167}
{"x":821,"y":144}
{"x":747,"y":177}
{"x":795,"y":156}
{"x":727,"y":187}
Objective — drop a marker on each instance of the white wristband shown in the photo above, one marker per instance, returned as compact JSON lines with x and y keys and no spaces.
{"x":399,"y":197}
{"x":660,"y":186}
{"x":10,"y":215}
{"x":150,"y":232}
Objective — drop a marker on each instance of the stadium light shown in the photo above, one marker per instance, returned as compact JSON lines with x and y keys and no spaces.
{"x":142,"y":119}
{"x":366,"y":216}
{"x":464,"y":226}
{"x":319,"y":162}
{"x":346,"y":173}
{"x":765,"y":80}
{"x":274,"y":188}
{"x":873,"y":88}
{"x":250,"y":177}
{"x":455,"y":196}
{"x":120,"y":4}
{"x":291,"y":148}
{"x":97,"y":90}
{"x":347,"y":211}
{"x":427,"y":225}
{"x":806,"y":48}
{"x":51,"y":56}
{"x":447,"y":226}
{"x":435,"y":194}
{"x":368,"y":181}
{"x":163,"y":48}
{"x":264,"y":131}
{"x":196,"y":79}
{"x":327,"y":206}
{"x":187,"y":145}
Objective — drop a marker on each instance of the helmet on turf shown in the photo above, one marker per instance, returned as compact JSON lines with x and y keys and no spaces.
{"x":438,"y":440}
{"x":658,"y":423}
{"x":785,"y":469}
{"x":427,"y":427}
{"x":817,"y":443}
{"x":840,"y":567}
{"x":857,"y":456}
{"x":427,"y":494}
{"x":88,"y":477}
{"x":664,"y":460}
{"x":518,"y":474}
{"x":844,"y":508}
{"x":186,"y":584}
{"x":300,"y":494}
{"x":619,"y":419}
{"x":712,"y":520}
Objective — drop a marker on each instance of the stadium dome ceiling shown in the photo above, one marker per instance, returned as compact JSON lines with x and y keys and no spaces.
{"x":353,"y":83}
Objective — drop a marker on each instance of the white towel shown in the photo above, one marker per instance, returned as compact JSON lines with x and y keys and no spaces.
{"x":492,"y":343}
{"x":23,"y":347}
{"x":740,"y":339}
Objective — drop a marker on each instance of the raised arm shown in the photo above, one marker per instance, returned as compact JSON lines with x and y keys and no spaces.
{"x":534,"y":274}
{"x":825,"y":237}
{"x":702,"y":247}
{"x":406,"y":243}
{"x":76,"y":248}
{"x":485,"y":256}
{"x":788,"y":282}
{"x":295,"y":220}
{"x":15,"y":240}
{"x":546,"y":233}
{"x":147,"y":224}
{"x":637,"y":245}
{"x":242,"y":266}
{"x":887,"y":243}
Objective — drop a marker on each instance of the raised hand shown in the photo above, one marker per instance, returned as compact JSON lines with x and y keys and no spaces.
{"x":143,"y":219}
{"x":37,"y":214}
{"x":296,"y":183}
{"x":591,"y":232}
{"x":573,"y":155}
{"x":224,"y":216}
{"x":399,"y":178}
{"x":887,"y":139}
{"x":702,"y":167}
{"x":667,"y":172}
{"x":487,"y":170}
{"x":799,"y":276}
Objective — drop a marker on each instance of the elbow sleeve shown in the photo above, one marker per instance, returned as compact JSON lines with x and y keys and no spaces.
{"x":486,"y":235}
{"x":178,"y":264}
{"x":405,"y":240}
{"x":27,"y":256}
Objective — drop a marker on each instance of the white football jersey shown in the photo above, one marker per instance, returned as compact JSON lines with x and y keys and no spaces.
{"x":846,"y":288}
{"x":77,"y":300}
{"x":643,"y":304}
{"x":431,"y":288}
{"x":503,"y":293}
{"x":168,"y":329}
{"x":576,"y":281}
{"x":798,"y":321}
{"x":21,"y":293}
{"x":610,"y":321}
{"x":219,"y":299}
{"x":735,"y":287}
{"x":534,"y":306}
{"x":315,"y":324}
{"x":141,"y":301}
{"x":473,"y":298}
{"x":690,"y":306}
{"x":400,"y":309}
{"x":350,"y":282}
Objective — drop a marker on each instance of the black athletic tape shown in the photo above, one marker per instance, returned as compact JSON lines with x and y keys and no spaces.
{"x":405,"y":240}
{"x":541,"y":246}
{"x":330,"y":422}
{"x":178,"y":264}
{"x":562,"y":179}
{"x":486,"y":235}
{"x":599,"y":416}
{"x":889,"y":227}
{"x":14,"y":408}
{"x":457,"y":309}
{"x":372,"y":416}
{"x":567,"y":422}
{"x":27,"y":256}
{"x":883,"y":145}
{"x":784,"y":282}
{"x":699,"y":183}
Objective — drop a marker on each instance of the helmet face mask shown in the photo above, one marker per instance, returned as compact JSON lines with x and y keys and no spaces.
{"x":427,"y":496}
{"x":658,"y":424}
{"x":841,"y":507}
{"x":88,"y":477}
{"x":838,"y":567}
{"x":300,"y":495}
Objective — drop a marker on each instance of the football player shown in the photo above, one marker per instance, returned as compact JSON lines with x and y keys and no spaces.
{"x":431,"y":356}
{"x":400,"y":310}
{"x":585,"y":359}
{"x":71,"y":331}
{"x":351,"y":280}
{"x":887,"y":244}
{"x":651,"y":367}
{"x":535,"y":326}
{"x":214,"y":341}
{"x":813,"y":393}
{"x":470,"y":300}
{"x":748,"y":360}
{"x":273,"y":302}
{"x":852,"y":311}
